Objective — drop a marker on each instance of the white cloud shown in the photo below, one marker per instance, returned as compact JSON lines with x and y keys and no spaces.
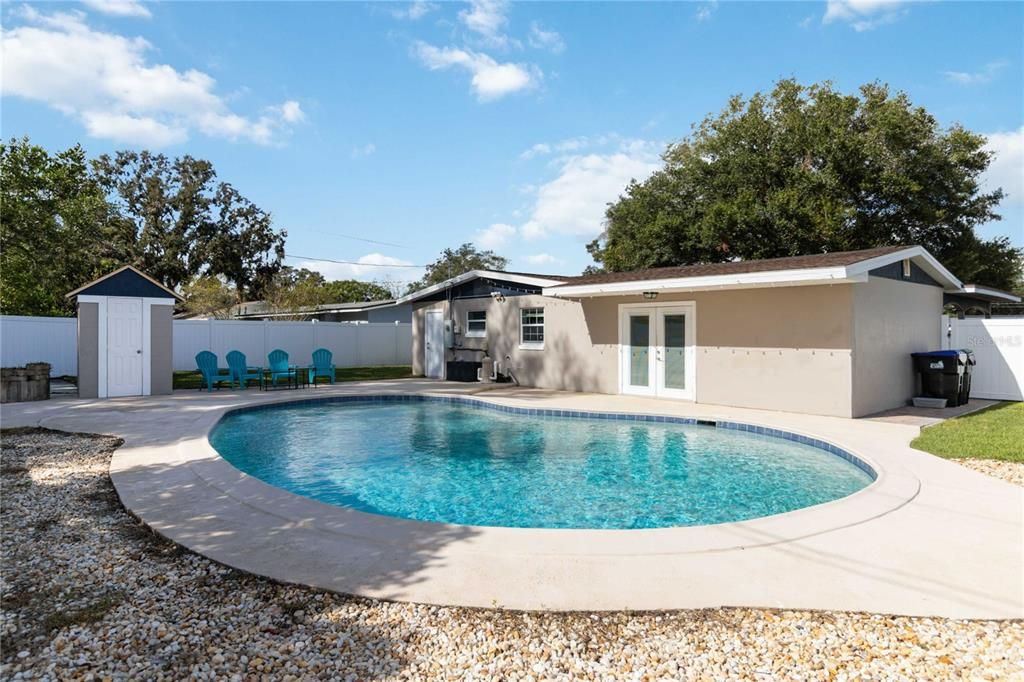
{"x":491,"y":80}
{"x":487,"y":18}
{"x":495,"y":236}
{"x":539,"y":149}
{"x":543,"y":259}
{"x":571,"y":144}
{"x":119,"y":8}
{"x":132,"y":129}
{"x":706,"y":9}
{"x":415,"y":11}
{"x":292,"y":112}
{"x":574,"y":202}
{"x":545,"y":40}
{"x":864,"y":15}
{"x":362,"y":152}
{"x":1007,"y":168}
{"x":371,"y":267}
{"x":105,"y":81}
{"x":985,"y":75}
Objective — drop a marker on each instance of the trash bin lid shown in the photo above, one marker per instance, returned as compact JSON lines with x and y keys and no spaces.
{"x":937,"y":354}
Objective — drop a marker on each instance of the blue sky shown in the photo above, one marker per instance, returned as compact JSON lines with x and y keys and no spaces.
{"x":426,"y":125}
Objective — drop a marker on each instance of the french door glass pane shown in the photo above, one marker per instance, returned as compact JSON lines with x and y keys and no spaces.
{"x":675,"y":348}
{"x":639,"y":350}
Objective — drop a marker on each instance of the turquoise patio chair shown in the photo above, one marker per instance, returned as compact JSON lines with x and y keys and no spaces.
{"x":321,"y":366}
{"x":207,"y":364}
{"x":241,"y":372}
{"x":278,"y":361}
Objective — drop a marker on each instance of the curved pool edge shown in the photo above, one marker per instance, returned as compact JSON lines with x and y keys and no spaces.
{"x":898,"y":547}
{"x":886,"y":493}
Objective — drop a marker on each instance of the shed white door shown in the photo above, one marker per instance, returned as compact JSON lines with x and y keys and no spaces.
{"x":124,"y":346}
{"x":433,"y":346}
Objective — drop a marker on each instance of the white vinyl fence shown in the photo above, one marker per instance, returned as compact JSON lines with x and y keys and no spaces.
{"x":998,"y":346}
{"x":55,"y":340}
{"x":353,"y":345}
{"x":40,"y":339}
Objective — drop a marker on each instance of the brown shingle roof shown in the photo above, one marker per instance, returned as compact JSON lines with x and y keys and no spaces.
{"x":818,"y":260}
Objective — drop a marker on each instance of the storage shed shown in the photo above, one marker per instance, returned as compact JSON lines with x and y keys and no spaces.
{"x":124,"y":335}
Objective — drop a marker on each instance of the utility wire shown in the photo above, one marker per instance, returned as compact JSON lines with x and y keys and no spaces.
{"x":354,"y":262}
{"x":358,"y":239}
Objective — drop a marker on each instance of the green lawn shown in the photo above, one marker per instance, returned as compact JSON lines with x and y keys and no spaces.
{"x":192,"y":378}
{"x":996,"y":432}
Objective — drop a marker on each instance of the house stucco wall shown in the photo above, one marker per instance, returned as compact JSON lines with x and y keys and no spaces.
{"x":161,"y":357}
{"x":892,"y":319}
{"x":88,"y":350}
{"x":787,"y":348}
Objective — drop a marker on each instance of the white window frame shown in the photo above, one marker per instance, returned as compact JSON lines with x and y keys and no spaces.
{"x":471,"y":334}
{"x":532,"y":345}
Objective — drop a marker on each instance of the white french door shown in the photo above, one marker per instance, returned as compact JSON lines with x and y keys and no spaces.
{"x":657,"y":349}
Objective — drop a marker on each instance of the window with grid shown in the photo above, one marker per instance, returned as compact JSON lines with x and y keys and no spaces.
{"x":476,"y":323}
{"x":531,"y":326}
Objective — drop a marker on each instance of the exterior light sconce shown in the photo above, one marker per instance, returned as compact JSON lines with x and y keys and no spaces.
{"x":498,"y":296}
{"x":650,"y":295}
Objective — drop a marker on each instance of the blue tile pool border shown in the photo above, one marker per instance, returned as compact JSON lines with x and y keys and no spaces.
{"x":572,"y":414}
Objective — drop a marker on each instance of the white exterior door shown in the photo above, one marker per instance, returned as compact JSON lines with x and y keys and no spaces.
{"x":657,"y":350}
{"x":124,"y":346}
{"x":433,"y":346}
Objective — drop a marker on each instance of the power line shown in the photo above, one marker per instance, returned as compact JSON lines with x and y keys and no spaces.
{"x":359,"y":239}
{"x":354,"y":262}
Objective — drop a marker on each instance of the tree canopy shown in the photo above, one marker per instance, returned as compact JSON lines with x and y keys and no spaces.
{"x":54,"y":228}
{"x":65,"y":221}
{"x":807,"y":169}
{"x":454,"y":262}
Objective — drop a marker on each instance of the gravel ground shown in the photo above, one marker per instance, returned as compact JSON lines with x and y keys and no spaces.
{"x":89,"y":592}
{"x":1011,"y":472}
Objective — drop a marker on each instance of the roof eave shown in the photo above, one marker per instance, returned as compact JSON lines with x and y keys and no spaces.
{"x":750,"y":280}
{"x":919,"y":255}
{"x":990,"y":293}
{"x":472,"y":274}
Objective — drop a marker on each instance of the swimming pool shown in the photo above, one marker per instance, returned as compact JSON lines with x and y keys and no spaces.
{"x":465,"y":462}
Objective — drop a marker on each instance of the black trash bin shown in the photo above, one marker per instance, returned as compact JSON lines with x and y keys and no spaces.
{"x":965,"y":384}
{"x":942,"y":373}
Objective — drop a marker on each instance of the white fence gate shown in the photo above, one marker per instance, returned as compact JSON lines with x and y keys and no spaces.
{"x":353,"y":345}
{"x":55,"y":340}
{"x":40,"y":339}
{"x":998,"y":345}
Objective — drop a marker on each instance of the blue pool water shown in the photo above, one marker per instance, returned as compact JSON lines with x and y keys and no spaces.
{"x":457,"y":463}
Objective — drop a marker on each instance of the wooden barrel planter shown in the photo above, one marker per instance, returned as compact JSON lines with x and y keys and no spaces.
{"x":19,"y":384}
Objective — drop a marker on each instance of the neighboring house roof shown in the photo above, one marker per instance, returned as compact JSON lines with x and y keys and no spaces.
{"x":262,"y":309}
{"x":844,"y":266}
{"x":125,"y":281}
{"x":514,"y":277}
{"x":991,"y":294}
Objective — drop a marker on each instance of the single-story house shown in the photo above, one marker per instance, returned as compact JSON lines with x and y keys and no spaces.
{"x":823,"y":334}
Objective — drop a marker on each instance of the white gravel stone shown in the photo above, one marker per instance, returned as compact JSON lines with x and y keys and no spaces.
{"x":88,"y":593}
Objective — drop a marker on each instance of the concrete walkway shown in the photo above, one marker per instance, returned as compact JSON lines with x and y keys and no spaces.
{"x":927,"y":538}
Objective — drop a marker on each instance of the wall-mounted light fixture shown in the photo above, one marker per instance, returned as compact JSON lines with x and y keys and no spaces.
{"x":650,"y":295}
{"x":498,"y":296}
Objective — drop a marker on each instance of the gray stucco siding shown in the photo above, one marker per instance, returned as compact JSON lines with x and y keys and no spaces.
{"x":161,"y":368}
{"x":88,"y":350}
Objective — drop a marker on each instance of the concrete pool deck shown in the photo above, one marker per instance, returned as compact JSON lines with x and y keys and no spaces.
{"x":928,"y":538}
